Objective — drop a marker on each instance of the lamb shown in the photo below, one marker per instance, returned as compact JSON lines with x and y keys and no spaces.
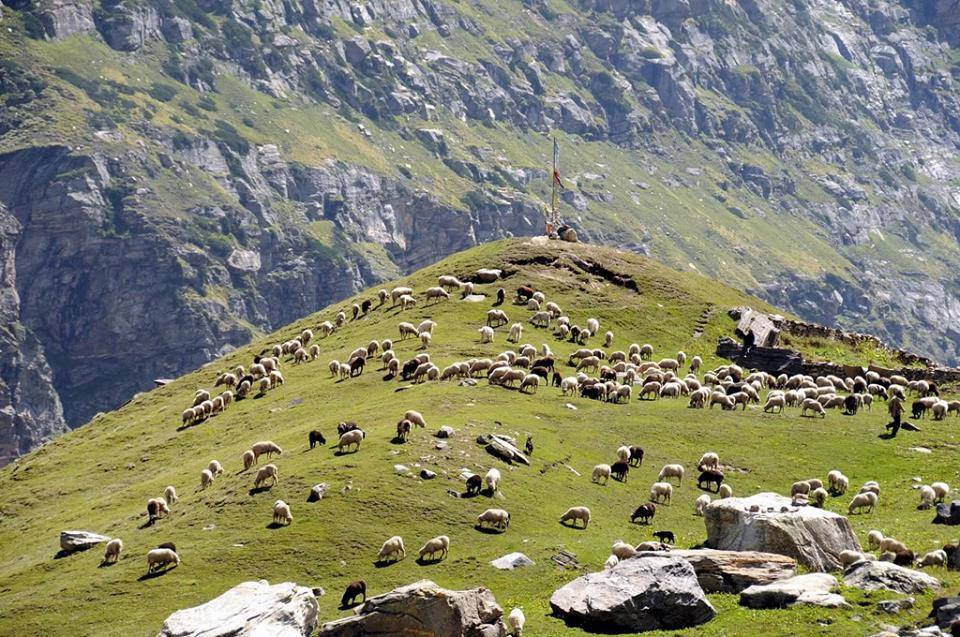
{"x":726,"y":491}
{"x":316,"y":438}
{"x":574,"y":514}
{"x":515,"y":622}
{"x":927,"y":497}
{"x":170,"y":495}
{"x":158,"y":559}
{"x":357,"y":588}
{"x":206,"y":478}
{"x":265,"y":447}
{"x":622,"y":550}
{"x":874,"y":539}
{"x":848,"y":557}
{"x":701,"y":504}
{"x":111,"y":553}
{"x":933,"y":558}
{"x":334,"y":368}
{"x":393,"y":547}
{"x":671,"y":471}
{"x":516,"y":333}
{"x":601,"y":471}
{"x":492,"y":480}
{"x":661,"y":492}
{"x":248,"y":459}
{"x":349,"y":439}
{"x":612,"y":561}
{"x":269,"y":472}
{"x":486,"y":334}
{"x":497,"y":518}
{"x":863,"y":501}
{"x":281,"y":513}
{"x":439,"y":544}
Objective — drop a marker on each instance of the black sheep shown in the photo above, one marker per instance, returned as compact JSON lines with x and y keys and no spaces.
{"x":542,"y":372}
{"x":354,"y":590}
{"x":356,"y":311}
{"x":859,"y":387}
{"x":619,"y":470}
{"x":344,"y":427}
{"x":316,"y":438}
{"x":851,"y":404}
{"x":590,"y":391}
{"x":366,"y":305}
{"x":406,"y":372}
{"x":524,"y":292}
{"x":153,"y":510}
{"x":474,"y":484}
{"x":636,"y":455}
{"x":665,"y":537}
{"x":710,"y":477}
{"x":546,"y":361}
{"x":168,"y":545}
{"x":501,"y":296}
{"x":528,"y":447}
{"x":356,"y":365}
{"x":574,"y":333}
{"x":918,"y":409}
{"x":644,"y":513}
{"x":557,"y":379}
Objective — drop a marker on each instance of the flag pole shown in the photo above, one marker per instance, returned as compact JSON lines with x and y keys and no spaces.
{"x":553,"y":186}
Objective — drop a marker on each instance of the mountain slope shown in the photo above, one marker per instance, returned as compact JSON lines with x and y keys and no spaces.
{"x":100,"y":476}
{"x":267,"y":158}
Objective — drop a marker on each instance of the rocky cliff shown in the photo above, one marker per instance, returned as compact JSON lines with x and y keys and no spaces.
{"x":185,"y":173}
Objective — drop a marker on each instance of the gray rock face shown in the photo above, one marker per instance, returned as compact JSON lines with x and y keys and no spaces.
{"x":659,"y":592}
{"x":249,"y":609}
{"x":426,"y":610}
{"x":511,"y":561}
{"x":71,"y":541}
{"x":946,"y":610}
{"x":812,"y":589}
{"x":894,"y":606}
{"x":875,"y":575}
{"x":733,"y":571}
{"x":814,"y":537}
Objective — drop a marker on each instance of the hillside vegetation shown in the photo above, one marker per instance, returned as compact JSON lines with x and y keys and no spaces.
{"x":100,"y":476}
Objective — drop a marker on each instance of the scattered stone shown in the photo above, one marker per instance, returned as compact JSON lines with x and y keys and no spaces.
{"x":504,"y":448}
{"x":317,"y":492}
{"x":250,"y":608}
{"x":874,"y":575}
{"x":511,"y":561}
{"x":209,"y":527}
{"x":441,"y":445}
{"x":72,"y":541}
{"x":921,"y":449}
{"x":564,"y":558}
{"x":244,"y":260}
{"x":894,"y":606}
{"x":474,"y":298}
{"x":733,"y":571}
{"x":946,"y":610}
{"x":813,"y":589}
{"x":638,"y":594}
{"x":948,"y":514}
{"x":426,"y":474}
{"x":401,"y":468}
{"x":445,"y":431}
{"x":569,"y":406}
{"x":426,"y":610}
{"x":812,"y":536}
{"x":468,"y":382}
{"x":319,"y":591}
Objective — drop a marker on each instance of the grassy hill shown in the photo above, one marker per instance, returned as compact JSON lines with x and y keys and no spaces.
{"x":99,"y":477}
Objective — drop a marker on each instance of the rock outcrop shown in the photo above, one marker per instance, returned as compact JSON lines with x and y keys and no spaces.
{"x":812,"y":589}
{"x":426,"y":610}
{"x":768,"y":522}
{"x":733,"y":571}
{"x":875,"y":575}
{"x":251,"y":608}
{"x":652,"y":592}
{"x":72,"y":541}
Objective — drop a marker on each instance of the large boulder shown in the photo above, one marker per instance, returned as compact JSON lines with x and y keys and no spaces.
{"x":875,"y":575}
{"x":813,"y":589}
{"x":649,"y":592}
{"x":426,"y":610}
{"x":249,"y":609}
{"x":946,"y":610}
{"x":733,"y":571}
{"x":768,"y":522}
{"x":71,"y":541}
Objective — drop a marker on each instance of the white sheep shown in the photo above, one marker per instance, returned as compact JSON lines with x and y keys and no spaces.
{"x":269,"y":472}
{"x":486,"y":334}
{"x":516,"y":333}
{"x":872,"y":486}
{"x":927,"y":497}
{"x":111,"y":553}
{"x":661,"y":492}
{"x":933,"y":558}
{"x":811,"y":404}
{"x":709,"y":460}
{"x":425,"y":338}
{"x":874,"y":539}
{"x":848,"y":557}
{"x":818,"y":497}
{"x":437,"y":294}
{"x":492,"y":480}
{"x":573,"y":514}
{"x":701,"y":504}
{"x":393,"y":547}
{"x":622,"y":550}
{"x":398,"y":292}
{"x":941,"y":489}
{"x":449,"y":281}
{"x":248,"y":459}
{"x":170,"y":495}
{"x":601,"y":471}
{"x":265,"y":447}
{"x":726,"y":491}
{"x":893,"y":545}
{"x":608,"y":339}
{"x":161,"y":558}
{"x":281,"y":513}
{"x":515,"y":622}
{"x":863,"y":501}
{"x":206,"y":478}
{"x":623,"y":453}
{"x":530,"y":381}
{"x":494,"y":517}
{"x":354,"y":437}
{"x":215,"y":468}
{"x":671,"y":471}
{"x":593,"y":325}
{"x":695,"y":363}
{"x":439,"y":544}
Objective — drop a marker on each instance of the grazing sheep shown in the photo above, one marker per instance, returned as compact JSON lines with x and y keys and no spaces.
{"x":437,"y":294}
{"x":872,"y":486}
{"x":111,"y":553}
{"x":695,"y":363}
{"x":708,"y":477}
{"x":531,"y":382}
{"x":927,"y":497}
{"x":515,"y":622}
{"x":941,"y":489}
{"x":425,"y":338}
{"x":608,"y":339}
{"x":644,"y":513}
{"x":439,"y":544}
{"x":170,"y":495}
{"x":316,"y":438}
{"x":398,"y":292}
{"x":265,"y":447}
{"x":496,"y":318}
{"x":671,"y":471}
{"x":811,"y":404}
{"x":281,"y":513}
{"x":701,"y":504}
{"x":933,"y":558}
{"x":848,"y":557}
{"x":775,"y":401}
{"x":486,"y":334}
{"x":350,"y":438}
{"x":601,"y":471}
{"x":623,"y":453}
{"x":403,"y":430}
{"x":248,"y":459}
{"x":573,"y":514}
{"x":709,"y":460}
{"x":269,"y":472}
{"x":874,"y":539}
{"x":516,"y":333}
{"x":416,"y":418}
{"x":393,"y":547}
{"x":474,"y":484}
{"x":622,"y":550}
{"x":215,"y":468}
{"x":801,"y":486}
{"x":726,"y":491}
{"x":818,"y":497}
{"x":357,"y":588}
{"x":619,"y":470}
{"x":206,"y":478}
{"x":661,"y":492}
{"x":892,"y":544}
{"x":636,"y":455}
{"x":494,"y":517}
{"x":863,"y":501}
{"x":492,"y":480}
{"x":158,"y":559}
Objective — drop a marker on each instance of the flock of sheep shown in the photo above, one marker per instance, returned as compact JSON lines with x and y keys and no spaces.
{"x":616,"y":374}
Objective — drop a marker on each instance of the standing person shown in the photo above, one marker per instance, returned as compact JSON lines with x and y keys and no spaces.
{"x":748,"y":341}
{"x":895,"y":407}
